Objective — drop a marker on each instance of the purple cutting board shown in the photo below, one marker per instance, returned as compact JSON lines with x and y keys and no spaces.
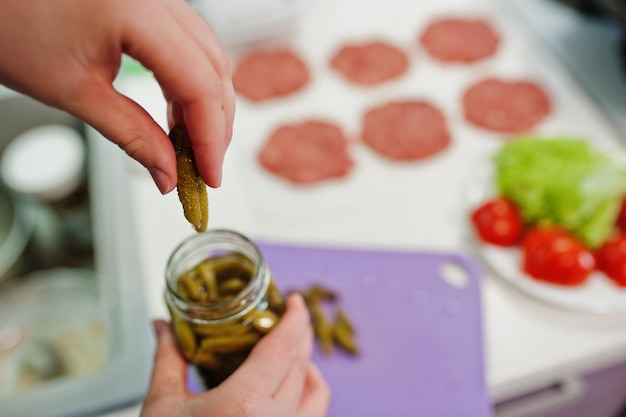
{"x":420,"y":336}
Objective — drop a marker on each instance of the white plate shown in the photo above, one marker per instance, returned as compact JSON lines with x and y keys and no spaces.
{"x":597,"y":295}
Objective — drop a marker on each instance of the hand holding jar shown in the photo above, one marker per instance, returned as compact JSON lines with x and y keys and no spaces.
{"x":71,"y":54}
{"x":231,"y":323}
{"x":276,"y":379}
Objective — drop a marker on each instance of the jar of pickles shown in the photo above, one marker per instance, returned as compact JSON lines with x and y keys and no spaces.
{"x":222,"y":299}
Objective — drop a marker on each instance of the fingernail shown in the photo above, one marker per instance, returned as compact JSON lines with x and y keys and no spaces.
{"x":297,"y":298}
{"x":161,"y":180}
{"x":220,"y":172}
{"x":160,"y":327}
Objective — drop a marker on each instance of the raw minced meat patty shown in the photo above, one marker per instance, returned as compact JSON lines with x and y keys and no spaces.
{"x":505,"y":106}
{"x":454,"y":40}
{"x":263,"y":75}
{"x":307,"y":152}
{"x":406,"y":130}
{"x":370,"y":63}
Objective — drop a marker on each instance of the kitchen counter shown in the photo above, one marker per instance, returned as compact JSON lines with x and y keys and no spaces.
{"x":529,"y":344}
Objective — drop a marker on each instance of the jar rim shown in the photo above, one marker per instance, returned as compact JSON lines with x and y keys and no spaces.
{"x":239,"y":304}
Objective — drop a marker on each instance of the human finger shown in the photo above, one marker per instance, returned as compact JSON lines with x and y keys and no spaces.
{"x":170,"y":369}
{"x":289,"y":392}
{"x":202,"y":33}
{"x":175,"y":115}
{"x":128,"y":125}
{"x":191,"y":80}
{"x":271,"y":359}
{"x":316,"y":395}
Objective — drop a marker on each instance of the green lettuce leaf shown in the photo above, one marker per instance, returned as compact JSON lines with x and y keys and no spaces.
{"x":563,"y":181}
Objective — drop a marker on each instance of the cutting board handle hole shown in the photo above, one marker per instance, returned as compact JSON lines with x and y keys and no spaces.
{"x":454,"y":274}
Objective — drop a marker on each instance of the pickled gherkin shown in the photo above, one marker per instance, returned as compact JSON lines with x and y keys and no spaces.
{"x":264,"y":321}
{"x":208,"y":278}
{"x":185,"y":336}
{"x":322,"y":328}
{"x":230,"y":343}
{"x":191,"y":187}
{"x":330,"y":333}
{"x":232,"y":286}
{"x":343,"y":333}
{"x":206,"y":359}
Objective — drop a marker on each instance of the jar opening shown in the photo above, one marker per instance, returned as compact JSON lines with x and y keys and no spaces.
{"x":217,"y":275}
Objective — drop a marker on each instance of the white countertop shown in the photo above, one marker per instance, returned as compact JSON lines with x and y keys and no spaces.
{"x":528,"y":344}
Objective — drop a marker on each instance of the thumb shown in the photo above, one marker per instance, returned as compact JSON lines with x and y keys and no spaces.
{"x":170,"y":368}
{"x":127,"y":124}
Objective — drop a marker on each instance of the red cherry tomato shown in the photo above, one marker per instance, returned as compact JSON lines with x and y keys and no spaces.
{"x":554,"y":255}
{"x":498,"y":222}
{"x":621,"y":218}
{"x":612,"y":258}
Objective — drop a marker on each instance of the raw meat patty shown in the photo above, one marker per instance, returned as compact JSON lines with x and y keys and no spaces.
{"x":505,"y":106}
{"x":307,"y":152}
{"x":264,"y":75}
{"x":455,"y":40}
{"x":370,"y":63}
{"x":406,"y":130}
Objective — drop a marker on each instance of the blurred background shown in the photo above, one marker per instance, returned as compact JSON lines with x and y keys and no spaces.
{"x":85,"y":234}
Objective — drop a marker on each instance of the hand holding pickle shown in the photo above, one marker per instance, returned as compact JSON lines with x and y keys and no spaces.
{"x":72,"y":53}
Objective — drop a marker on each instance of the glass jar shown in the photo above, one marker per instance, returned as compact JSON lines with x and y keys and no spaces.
{"x":222,"y":300}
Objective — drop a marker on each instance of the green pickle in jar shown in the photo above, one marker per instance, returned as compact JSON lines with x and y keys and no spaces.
{"x":222,"y":300}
